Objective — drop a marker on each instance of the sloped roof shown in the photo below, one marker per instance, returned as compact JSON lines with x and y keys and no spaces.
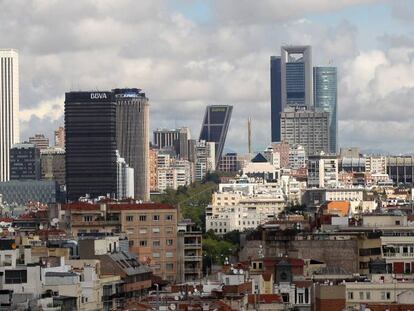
{"x":259,"y":158}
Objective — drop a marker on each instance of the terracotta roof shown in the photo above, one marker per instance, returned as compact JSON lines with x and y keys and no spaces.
{"x":265,"y":298}
{"x":339,"y":207}
{"x":139,"y":206}
{"x":80,"y":206}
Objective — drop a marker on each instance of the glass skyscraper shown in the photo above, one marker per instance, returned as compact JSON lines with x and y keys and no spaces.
{"x":275,"y":97}
{"x":325,"y":99}
{"x":215,"y":126}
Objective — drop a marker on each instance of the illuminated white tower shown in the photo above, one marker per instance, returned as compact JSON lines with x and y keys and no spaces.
{"x":9,"y":108}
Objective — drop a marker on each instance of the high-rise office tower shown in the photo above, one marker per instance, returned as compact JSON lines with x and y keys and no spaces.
{"x":60,"y":137}
{"x":215,"y":127}
{"x":296,"y":77}
{"x":25,"y":162}
{"x":307,"y":128}
{"x":9,"y":108}
{"x":132,"y":131}
{"x":325,"y":99}
{"x":40,"y":141}
{"x":90,"y":124}
{"x":275,"y":96}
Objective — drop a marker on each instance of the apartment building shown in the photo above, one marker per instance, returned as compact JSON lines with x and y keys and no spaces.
{"x":322,"y":171}
{"x":152,"y":234}
{"x":189,"y":252}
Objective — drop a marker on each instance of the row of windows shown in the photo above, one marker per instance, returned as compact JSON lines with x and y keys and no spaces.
{"x":352,"y":295}
{"x":155,"y":243}
{"x":168,"y":266}
{"x":144,"y":217}
{"x":167,"y":255}
{"x":168,"y":230}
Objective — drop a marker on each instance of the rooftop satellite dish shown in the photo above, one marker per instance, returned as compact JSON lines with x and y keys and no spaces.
{"x":11,"y":230}
{"x":241,"y":271}
{"x":2,"y":223}
{"x":172,"y":306}
{"x":176,"y":298}
{"x":41,"y":227}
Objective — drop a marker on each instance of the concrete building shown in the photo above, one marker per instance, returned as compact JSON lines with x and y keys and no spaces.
{"x":40,"y":141}
{"x":53,"y":165}
{"x":297,"y":157}
{"x":9,"y":105}
{"x":229,"y":163}
{"x":132,"y":136}
{"x":323,"y":171}
{"x":90,"y":124}
{"x":401,"y":169}
{"x":189,"y":252}
{"x":152,"y":233}
{"x":307,"y":128}
{"x":124,"y":179}
{"x":203,"y":157}
{"x":60,"y":137}
{"x":325,"y":86}
{"x":283,"y":148}
{"x":214,"y":128}
{"x":176,"y":139}
{"x":153,"y":169}
{"x":376,"y":164}
{"x":25,"y":162}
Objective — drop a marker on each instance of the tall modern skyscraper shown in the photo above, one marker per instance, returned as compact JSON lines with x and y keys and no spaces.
{"x":132,"y":131}
{"x":25,"y":162}
{"x":215,"y":127}
{"x":275,"y":96}
{"x":9,"y":108}
{"x":176,"y":139}
{"x":296,"y":76}
{"x":325,"y":99}
{"x":90,"y":124}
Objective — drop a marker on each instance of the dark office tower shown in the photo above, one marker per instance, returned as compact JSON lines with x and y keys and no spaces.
{"x":325,"y":99}
{"x":215,"y":126}
{"x":132,"y":127}
{"x":90,"y":124}
{"x":25,"y":162}
{"x":296,"y":77}
{"x":275,"y":96}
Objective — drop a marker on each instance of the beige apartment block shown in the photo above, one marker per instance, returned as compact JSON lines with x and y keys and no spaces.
{"x":152,"y":234}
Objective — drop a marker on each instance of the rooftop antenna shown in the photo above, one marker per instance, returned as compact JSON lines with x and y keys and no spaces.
{"x":249,"y":135}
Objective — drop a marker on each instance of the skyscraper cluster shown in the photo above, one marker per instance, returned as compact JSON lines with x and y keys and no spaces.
{"x":303,"y":101}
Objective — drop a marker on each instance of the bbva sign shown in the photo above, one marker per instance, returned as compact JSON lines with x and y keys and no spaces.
{"x":98,"y":96}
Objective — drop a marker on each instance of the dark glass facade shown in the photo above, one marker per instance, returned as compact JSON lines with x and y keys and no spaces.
{"x":295,"y":84}
{"x":275,"y":97}
{"x":90,"y":124}
{"x":325,"y":99}
{"x":215,"y":127}
{"x":25,"y":162}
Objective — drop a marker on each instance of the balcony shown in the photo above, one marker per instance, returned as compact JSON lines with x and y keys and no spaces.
{"x":399,"y":255}
{"x":192,"y":258}
{"x":94,"y":223}
{"x":192,"y":270}
{"x":192,"y":245}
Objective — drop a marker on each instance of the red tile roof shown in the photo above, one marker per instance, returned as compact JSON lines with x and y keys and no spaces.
{"x":265,"y":298}
{"x":115,"y":206}
{"x":302,"y":284}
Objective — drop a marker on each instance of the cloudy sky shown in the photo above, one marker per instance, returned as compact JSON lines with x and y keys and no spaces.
{"x":186,"y":54}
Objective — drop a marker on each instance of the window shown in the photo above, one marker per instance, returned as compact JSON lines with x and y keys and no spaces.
{"x":168,"y":217}
{"x":350,"y":295}
{"x":407,"y":267}
{"x":156,"y":243}
{"x":142,"y":217}
{"x":87,"y":218}
{"x":388,"y":295}
{"x":131,"y":243}
{"x":143,"y":231}
{"x":300,"y":297}
{"x":368,"y":295}
{"x":156,"y":255}
{"x":169,"y":242}
{"x":15,"y":276}
{"x":129,"y":218}
{"x":169,"y":230}
{"x":143,"y":243}
{"x":169,"y":254}
{"x":385,"y":295}
{"x":156,"y":217}
{"x":361,"y":295}
{"x":169,"y":266}
{"x":155,"y":230}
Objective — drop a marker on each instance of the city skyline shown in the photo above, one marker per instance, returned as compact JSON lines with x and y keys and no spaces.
{"x":229,"y":64}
